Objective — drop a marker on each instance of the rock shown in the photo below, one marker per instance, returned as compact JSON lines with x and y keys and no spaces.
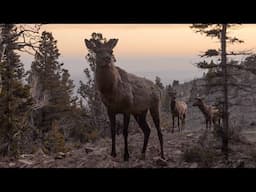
{"x":2,"y":164}
{"x":240,"y":164}
{"x":250,"y":165}
{"x":253,"y":123}
{"x":24,"y":161}
{"x":190,"y":135}
{"x":177,"y":152}
{"x":169,"y":142}
{"x":12,"y":164}
{"x":159,"y":161}
{"x":138,"y":165}
{"x":193,"y":165}
{"x":40,"y":152}
{"x":99,"y":151}
{"x":107,"y":164}
{"x":60,"y":155}
{"x":68,"y":154}
{"x":48,"y":161}
{"x":88,"y":149}
{"x":183,"y":165}
{"x":26,"y":156}
{"x":142,"y":156}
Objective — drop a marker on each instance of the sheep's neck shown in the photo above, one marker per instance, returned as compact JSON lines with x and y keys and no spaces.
{"x":106,"y":79}
{"x":203,"y":108}
{"x":173,"y":103}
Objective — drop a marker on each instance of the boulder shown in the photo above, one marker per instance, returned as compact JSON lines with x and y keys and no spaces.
{"x":160,"y":162}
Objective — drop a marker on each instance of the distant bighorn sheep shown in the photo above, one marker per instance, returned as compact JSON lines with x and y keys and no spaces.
{"x":125,"y":93}
{"x":179,"y":110}
{"x":211,"y":113}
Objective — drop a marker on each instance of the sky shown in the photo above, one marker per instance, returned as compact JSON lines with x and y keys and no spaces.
{"x":148,"y":50}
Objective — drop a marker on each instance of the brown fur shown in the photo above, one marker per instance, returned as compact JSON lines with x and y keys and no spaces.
{"x":211,"y":113}
{"x":125,"y":93}
{"x":179,"y":110}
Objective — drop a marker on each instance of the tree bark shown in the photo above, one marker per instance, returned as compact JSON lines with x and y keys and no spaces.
{"x":225,"y":90}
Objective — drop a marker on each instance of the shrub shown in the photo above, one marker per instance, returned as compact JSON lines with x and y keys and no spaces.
{"x":55,"y":141}
{"x":204,"y":157}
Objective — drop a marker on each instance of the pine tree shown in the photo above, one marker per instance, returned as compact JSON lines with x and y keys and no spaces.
{"x":221,"y":70}
{"x":159,"y":83}
{"x":55,"y":88}
{"x":166,"y":98}
{"x":15,"y":100}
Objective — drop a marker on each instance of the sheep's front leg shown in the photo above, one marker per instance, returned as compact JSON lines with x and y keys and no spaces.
{"x":173,"y":123}
{"x":179,"y":123}
{"x":210,"y":124}
{"x":112,"y":118}
{"x":125,"y":133}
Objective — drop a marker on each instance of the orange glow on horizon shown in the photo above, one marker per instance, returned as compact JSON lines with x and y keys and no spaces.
{"x":144,"y":39}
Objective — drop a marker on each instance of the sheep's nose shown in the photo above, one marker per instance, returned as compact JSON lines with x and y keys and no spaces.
{"x":108,"y":59}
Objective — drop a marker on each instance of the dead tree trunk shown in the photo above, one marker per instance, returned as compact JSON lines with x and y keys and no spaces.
{"x":225,"y":91}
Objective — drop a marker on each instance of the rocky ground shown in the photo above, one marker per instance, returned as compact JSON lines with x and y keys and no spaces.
{"x":189,"y":149}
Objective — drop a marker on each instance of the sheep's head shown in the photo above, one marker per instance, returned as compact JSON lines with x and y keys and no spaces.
{"x":172,"y":94}
{"x":103,"y":51}
{"x":198,"y":102}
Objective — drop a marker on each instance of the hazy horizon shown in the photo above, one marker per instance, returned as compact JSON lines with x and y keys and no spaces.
{"x":148,"y":50}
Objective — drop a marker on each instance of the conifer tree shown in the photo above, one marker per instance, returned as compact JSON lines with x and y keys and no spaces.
{"x":159,"y":83}
{"x":55,"y":88}
{"x":220,"y":69}
{"x":15,"y":100}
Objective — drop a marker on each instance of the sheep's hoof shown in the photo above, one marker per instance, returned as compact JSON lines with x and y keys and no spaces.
{"x":143,"y":156}
{"x":113,"y":154}
{"x":126,"y":157}
{"x":161,"y":154}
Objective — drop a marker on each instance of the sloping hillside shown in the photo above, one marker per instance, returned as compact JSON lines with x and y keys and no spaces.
{"x":189,"y":149}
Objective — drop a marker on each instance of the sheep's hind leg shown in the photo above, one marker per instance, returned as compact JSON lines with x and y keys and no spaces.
{"x":141,"y":120}
{"x":112,"y":118}
{"x":125,"y":133}
{"x":155,"y":116}
{"x":183,"y":121}
{"x":173,"y":121}
{"x":179,"y":123}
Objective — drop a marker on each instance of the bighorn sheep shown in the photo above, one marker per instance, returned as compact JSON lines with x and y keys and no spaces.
{"x":211,"y":113}
{"x":179,"y":110}
{"x":125,"y":93}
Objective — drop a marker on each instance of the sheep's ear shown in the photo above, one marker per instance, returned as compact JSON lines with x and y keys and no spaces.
{"x":112,"y":43}
{"x":89,"y":44}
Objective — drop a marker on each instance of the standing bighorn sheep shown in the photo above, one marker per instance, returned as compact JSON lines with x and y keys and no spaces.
{"x":211,"y":113}
{"x":179,"y":110}
{"x":125,"y":93}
